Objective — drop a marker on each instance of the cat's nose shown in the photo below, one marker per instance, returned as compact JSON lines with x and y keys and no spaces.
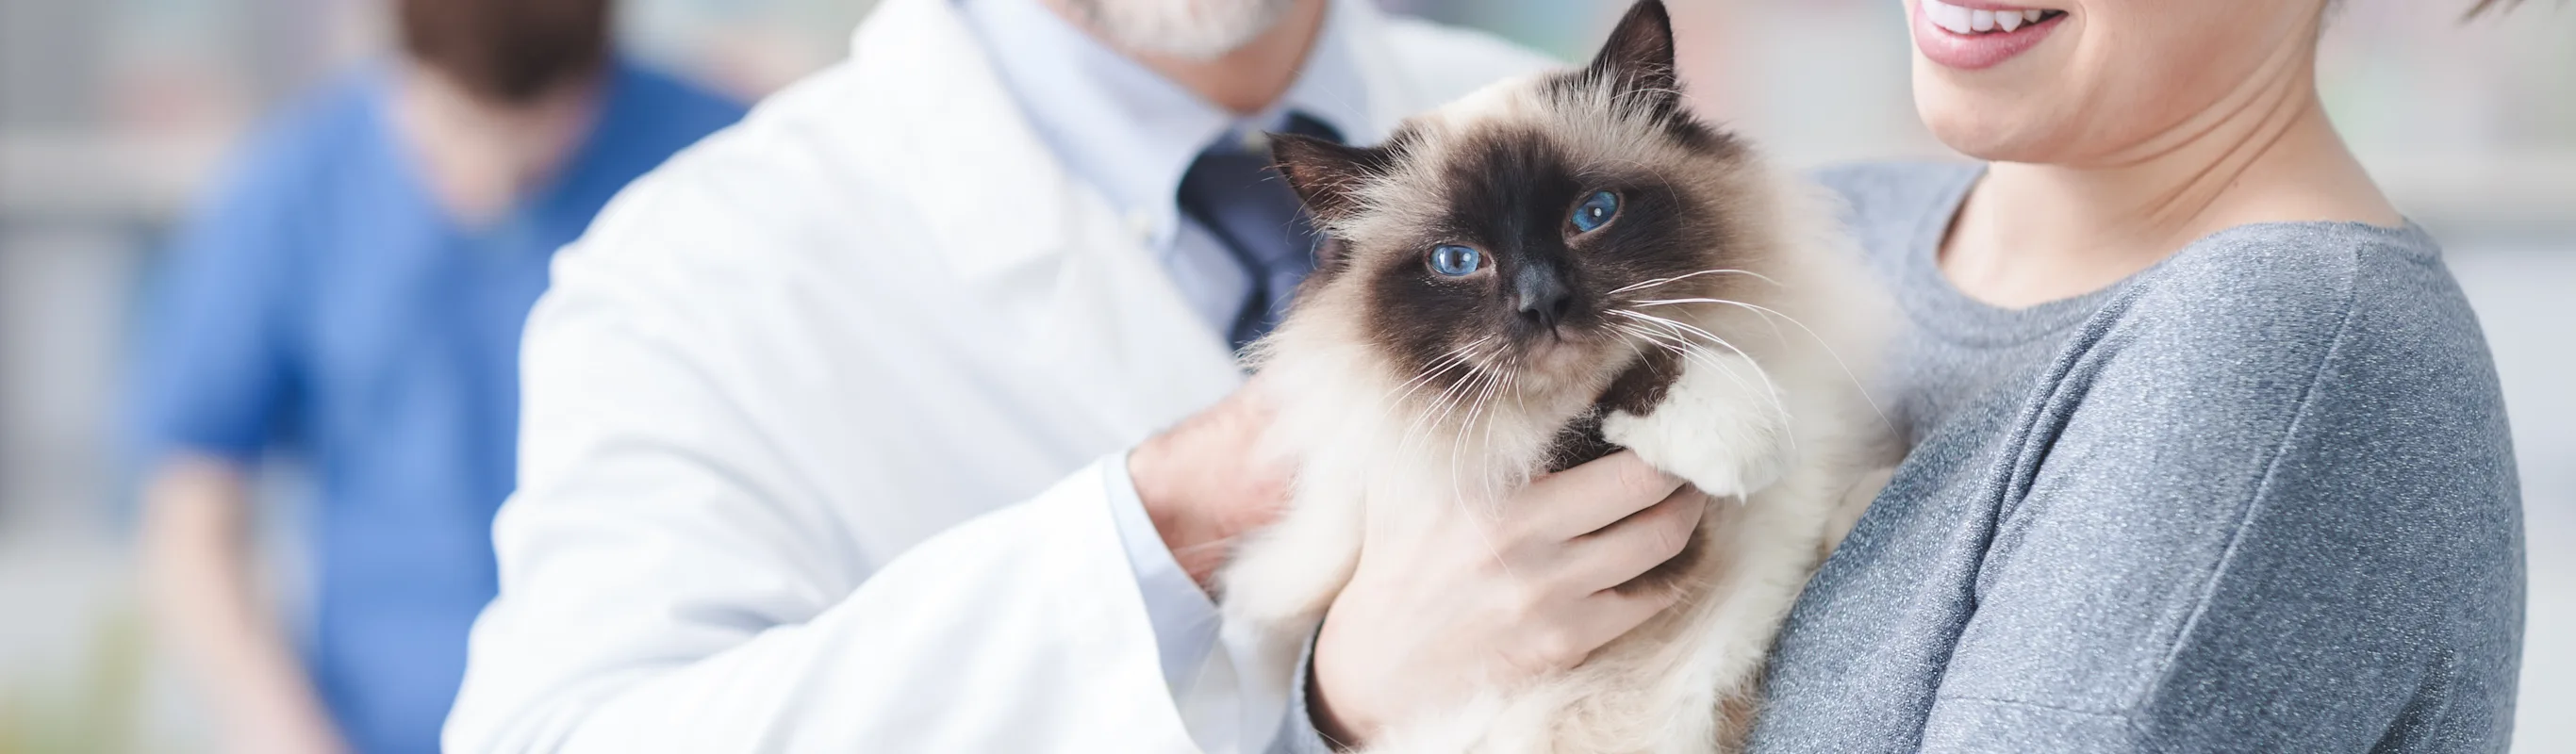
{"x":1544,"y":299}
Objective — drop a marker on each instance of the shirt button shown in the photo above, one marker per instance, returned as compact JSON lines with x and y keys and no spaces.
{"x":1256,"y":141}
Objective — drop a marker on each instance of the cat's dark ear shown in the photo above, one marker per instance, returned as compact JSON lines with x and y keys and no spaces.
{"x":1326,"y":174}
{"x":1638,"y":59}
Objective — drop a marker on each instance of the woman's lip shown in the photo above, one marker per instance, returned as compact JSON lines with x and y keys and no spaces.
{"x":1975,"y":5}
{"x":1975,"y":51}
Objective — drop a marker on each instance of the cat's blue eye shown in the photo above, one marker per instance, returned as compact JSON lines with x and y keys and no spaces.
{"x":1456,"y":261}
{"x":1595,"y":211}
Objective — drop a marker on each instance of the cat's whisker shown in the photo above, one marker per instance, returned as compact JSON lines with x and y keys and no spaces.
{"x":1511,"y":377}
{"x":1449,"y":400}
{"x":1436,"y":402}
{"x":1446,"y":362}
{"x":1680,"y":328}
{"x":1769,"y":312}
{"x":1444,"y":403}
{"x":1645,"y":284}
{"x":1770,"y":387}
{"x":1462,"y":356}
{"x":1675,"y":344}
{"x":1458,"y":446}
{"x":1476,"y":406}
{"x":1484,"y":401}
{"x":1682,"y":347}
{"x":1416,"y":432}
{"x":1458,"y":495}
{"x":1776,"y":335}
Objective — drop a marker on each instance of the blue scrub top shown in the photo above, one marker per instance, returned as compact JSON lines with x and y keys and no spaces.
{"x":321,"y":302}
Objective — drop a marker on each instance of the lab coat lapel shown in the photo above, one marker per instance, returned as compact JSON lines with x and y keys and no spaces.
{"x":1079,"y":297}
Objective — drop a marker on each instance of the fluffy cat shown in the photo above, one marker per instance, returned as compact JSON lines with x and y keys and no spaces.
{"x":1534,"y":276}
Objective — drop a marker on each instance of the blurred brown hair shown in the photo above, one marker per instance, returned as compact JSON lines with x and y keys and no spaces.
{"x":508,"y":51}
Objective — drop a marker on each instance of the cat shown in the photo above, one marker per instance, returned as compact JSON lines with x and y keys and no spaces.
{"x":1536,"y":275}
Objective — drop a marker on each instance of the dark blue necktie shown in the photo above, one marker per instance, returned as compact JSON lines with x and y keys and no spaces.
{"x":1233,"y":192}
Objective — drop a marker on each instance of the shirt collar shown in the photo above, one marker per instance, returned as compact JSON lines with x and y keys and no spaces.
{"x":1127,"y":130}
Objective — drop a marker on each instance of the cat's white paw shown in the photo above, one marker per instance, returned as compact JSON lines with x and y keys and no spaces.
{"x":1720,"y":427}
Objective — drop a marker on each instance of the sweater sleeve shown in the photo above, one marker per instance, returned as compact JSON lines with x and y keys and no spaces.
{"x":2264,"y":520}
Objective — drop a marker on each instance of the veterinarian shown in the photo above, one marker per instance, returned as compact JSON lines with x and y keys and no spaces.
{"x":836,"y":427}
{"x":350,"y":295}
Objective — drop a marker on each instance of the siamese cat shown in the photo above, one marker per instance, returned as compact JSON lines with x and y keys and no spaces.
{"x":1537,"y":275}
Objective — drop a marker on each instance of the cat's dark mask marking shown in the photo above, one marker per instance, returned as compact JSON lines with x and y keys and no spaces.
{"x":1510,"y":192}
{"x":1505,"y":182}
{"x":1637,"y":391}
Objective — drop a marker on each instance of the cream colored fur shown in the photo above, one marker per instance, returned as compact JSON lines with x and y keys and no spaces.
{"x":1772,"y":424}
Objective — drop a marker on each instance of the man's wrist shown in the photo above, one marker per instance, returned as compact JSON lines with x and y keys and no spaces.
{"x":1202,"y":482}
{"x":1162,"y":488}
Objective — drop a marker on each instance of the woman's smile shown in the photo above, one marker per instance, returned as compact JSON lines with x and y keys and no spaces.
{"x":1972,"y":34}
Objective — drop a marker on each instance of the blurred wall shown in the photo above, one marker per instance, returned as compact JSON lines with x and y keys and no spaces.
{"x":112,"y":111}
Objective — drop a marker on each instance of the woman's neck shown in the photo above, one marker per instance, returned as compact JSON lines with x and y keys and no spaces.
{"x":2033,"y":233}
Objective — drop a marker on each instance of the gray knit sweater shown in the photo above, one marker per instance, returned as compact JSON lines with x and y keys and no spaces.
{"x":2257,"y":498}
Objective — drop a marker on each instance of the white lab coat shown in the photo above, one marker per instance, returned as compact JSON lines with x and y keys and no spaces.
{"x":813,"y":417}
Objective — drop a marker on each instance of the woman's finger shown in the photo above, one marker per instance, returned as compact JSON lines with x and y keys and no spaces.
{"x":1586,"y":498}
{"x":1620,"y":552}
{"x":1603,"y":617}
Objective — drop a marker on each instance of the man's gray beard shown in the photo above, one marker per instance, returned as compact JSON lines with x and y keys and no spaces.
{"x":1192,"y":29}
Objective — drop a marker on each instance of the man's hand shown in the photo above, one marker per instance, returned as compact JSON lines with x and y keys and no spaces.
{"x":1474,"y":601}
{"x":1204,"y":483}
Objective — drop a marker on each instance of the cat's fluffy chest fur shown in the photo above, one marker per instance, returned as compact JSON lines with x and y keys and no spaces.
{"x":1695,"y":307}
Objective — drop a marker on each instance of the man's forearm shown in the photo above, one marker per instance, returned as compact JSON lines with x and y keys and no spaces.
{"x":199,"y":578}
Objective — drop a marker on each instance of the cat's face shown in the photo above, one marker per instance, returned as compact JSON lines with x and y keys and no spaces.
{"x":1507,"y":243}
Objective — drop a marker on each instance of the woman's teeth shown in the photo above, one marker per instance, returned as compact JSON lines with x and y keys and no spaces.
{"x":1961,"y":20}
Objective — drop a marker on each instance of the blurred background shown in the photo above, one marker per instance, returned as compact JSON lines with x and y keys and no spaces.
{"x":114,"y":112}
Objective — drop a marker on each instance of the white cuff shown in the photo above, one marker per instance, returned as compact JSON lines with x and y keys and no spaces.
{"x":1185,"y":621}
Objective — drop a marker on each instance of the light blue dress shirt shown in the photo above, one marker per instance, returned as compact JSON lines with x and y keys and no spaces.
{"x":1131,"y":134}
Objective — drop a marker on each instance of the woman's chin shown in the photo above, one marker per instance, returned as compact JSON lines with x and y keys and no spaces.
{"x":1985,"y":133}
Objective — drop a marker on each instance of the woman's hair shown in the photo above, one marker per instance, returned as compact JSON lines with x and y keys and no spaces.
{"x":507,"y":51}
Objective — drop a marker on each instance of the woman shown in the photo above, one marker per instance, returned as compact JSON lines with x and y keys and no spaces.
{"x":2208,"y":453}
{"x":2208,"y":450}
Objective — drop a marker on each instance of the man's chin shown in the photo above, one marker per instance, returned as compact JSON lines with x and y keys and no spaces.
{"x":1185,"y":29}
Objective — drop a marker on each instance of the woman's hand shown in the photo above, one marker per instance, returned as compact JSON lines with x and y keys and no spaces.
{"x":1475,"y":601}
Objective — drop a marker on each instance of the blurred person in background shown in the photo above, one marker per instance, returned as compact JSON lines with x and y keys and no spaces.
{"x":352,"y":293}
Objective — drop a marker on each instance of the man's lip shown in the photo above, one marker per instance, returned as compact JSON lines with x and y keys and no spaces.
{"x":1976,"y":51}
